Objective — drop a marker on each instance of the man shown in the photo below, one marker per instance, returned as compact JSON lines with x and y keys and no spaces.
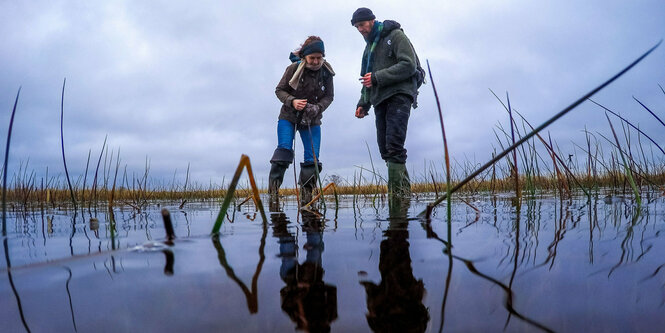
{"x":390,"y":84}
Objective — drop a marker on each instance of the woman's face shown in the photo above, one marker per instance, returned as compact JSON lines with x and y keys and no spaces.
{"x":314,"y":61}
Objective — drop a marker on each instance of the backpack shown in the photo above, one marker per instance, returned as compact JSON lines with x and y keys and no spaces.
{"x":420,"y":74}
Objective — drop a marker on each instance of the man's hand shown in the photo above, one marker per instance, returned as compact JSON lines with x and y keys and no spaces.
{"x":360,"y":112}
{"x":366,"y":80}
{"x":299,"y":104}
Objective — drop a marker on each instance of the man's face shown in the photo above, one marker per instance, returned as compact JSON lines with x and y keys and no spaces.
{"x":364,"y":27}
{"x":314,"y":60}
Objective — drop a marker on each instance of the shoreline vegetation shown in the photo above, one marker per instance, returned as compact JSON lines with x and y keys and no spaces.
{"x":26,"y":194}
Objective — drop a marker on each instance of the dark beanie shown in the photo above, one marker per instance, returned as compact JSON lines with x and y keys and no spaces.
{"x":362,"y":14}
{"x":313,"y":47}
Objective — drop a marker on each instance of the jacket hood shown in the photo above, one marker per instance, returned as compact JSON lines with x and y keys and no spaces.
{"x":388,"y":26}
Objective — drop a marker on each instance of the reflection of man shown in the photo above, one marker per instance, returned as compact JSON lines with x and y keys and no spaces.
{"x":306,"y":298}
{"x":390,"y":84}
{"x":395,"y":305}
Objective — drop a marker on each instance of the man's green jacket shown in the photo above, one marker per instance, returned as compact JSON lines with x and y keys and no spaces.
{"x":393,"y":67}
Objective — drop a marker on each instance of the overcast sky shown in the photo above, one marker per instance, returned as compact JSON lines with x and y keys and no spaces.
{"x":192,"y":82}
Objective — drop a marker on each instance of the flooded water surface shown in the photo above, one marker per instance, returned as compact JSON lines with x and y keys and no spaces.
{"x":370,"y":265}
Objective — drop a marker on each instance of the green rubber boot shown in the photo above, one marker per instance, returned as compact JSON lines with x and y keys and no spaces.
{"x":399,"y":183}
{"x":398,"y":208}
{"x":307,"y":182}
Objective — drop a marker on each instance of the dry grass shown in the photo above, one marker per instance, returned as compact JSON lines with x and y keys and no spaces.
{"x":32,"y":197}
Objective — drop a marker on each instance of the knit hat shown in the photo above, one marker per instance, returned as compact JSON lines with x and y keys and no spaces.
{"x":362,"y":14}
{"x":313,"y":47}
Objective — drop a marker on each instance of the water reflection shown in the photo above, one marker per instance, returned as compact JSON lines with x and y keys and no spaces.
{"x":69,"y":296}
{"x":514,"y":259}
{"x":251,"y":296}
{"x":309,"y":301}
{"x":396,"y":303}
{"x":168,"y":265}
{"x":12,"y":284}
{"x":547,"y":265}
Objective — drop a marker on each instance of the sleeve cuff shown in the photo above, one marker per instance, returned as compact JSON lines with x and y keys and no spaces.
{"x":289,"y":101}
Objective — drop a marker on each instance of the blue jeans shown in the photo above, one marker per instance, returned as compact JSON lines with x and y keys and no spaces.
{"x":310,"y":137}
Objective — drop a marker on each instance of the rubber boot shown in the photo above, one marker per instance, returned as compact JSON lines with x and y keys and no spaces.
{"x":275,"y":179}
{"x":398,"y":208}
{"x":280,"y":161}
{"x":398,"y":180}
{"x":307,"y":181}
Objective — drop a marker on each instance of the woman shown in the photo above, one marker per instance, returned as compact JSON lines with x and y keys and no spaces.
{"x":305,"y":90}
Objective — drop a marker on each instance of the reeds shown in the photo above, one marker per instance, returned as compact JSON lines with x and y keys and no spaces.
{"x":27,"y":191}
{"x":426,"y":213}
{"x":318,"y":195}
{"x":629,"y":173}
{"x":244,"y":163}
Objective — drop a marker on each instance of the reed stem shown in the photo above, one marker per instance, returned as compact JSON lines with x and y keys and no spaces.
{"x":6,"y":166}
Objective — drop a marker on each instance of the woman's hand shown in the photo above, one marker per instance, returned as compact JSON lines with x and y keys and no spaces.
{"x":310,"y":112}
{"x":299,"y":104}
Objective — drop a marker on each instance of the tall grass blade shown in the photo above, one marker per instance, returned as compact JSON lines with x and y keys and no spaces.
{"x":85,"y":178}
{"x":115,"y":177}
{"x":94,"y":180}
{"x":430,"y":206}
{"x":629,"y":123}
{"x":316,"y":166}
{"x":5,"y":240}
{"x":445,"y":147}
{"x":371,"y":162}
{"x":62,"y":142}
{"x":512,"y":137}
{"x":653,"y":114}
{"x":5,"y":167}
{"x":629,"y":173}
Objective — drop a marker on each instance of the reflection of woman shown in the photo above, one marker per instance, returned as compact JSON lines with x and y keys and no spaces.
{"x":306,"y":298}
{"x":395,"y":305}
{"x":305,"y":90}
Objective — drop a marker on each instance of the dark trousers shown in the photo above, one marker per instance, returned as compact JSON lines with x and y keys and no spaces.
{"x":392,"y":118}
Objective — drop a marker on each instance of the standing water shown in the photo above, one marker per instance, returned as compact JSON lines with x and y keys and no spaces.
{"x":547,"y":265}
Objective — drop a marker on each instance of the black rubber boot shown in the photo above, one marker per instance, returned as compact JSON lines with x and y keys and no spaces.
{"x":275,"y":179}
{"x":307,"y":181}
{"x":280,"y":161}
